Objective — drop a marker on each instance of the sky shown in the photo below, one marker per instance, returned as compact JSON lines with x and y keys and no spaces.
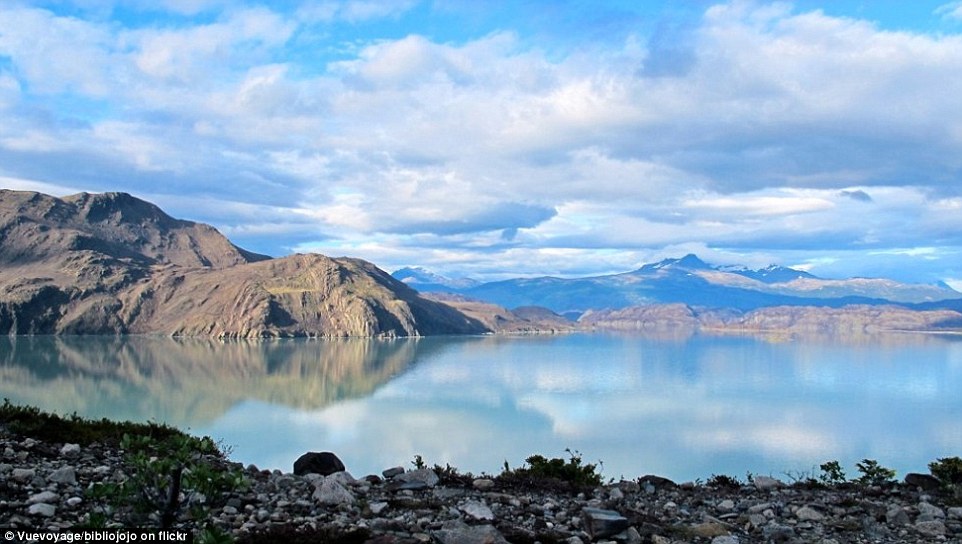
{"x":511,"y":138}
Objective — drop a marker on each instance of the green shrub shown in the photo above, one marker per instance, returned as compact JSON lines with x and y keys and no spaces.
{"x":948,"y":470}
{"x":873,"y":473}
{"x":832,"y":473}
{"x":572,"y":471}
{"x":723,"y":481}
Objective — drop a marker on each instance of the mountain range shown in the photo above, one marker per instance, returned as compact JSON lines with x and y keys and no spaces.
{"x":114,"y":264}
{"x":691,"y":281}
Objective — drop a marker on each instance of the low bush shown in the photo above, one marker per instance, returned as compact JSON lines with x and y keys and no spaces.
{"x":573,"y":472}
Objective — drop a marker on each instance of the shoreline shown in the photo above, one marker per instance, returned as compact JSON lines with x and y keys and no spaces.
{"x":46,"y":484}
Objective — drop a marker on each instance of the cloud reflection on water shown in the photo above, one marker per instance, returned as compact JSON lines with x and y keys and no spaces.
{"x":683,"y":408}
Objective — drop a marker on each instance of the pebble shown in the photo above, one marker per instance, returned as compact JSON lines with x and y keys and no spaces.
{"x":40,"y":491}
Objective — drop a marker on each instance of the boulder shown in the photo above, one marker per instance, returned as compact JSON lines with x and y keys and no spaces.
{"x":313,"y":462}
{"x":657,"y":482}
{"x":392,"y":472}
{"x":926,"y":482}
{"x":601,"y":523}
{"x":458,"y":532}
{"x":478,"y":510}
{"x":420,"y":479}
{"x":766,"y":483}
{"x":331,"y":492}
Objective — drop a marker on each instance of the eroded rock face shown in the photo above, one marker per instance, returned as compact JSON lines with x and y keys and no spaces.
{"x":114,"y":264}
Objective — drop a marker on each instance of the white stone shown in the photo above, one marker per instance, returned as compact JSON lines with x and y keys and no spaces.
{"x":333,"y":493}
{"x":43,"y":496}
{"x":343,"y":477}
{"x":727,"y":539}
{"x":377,"y":507}
{"x":478,"y":510}
{"x":725,"y":506}
{"x":42,"y":509}
{"x":70,"y":450}
{"x":74,"y":501}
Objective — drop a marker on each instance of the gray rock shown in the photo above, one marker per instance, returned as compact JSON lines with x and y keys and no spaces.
{"x":725,"y":506}
{"x":955,"y":512}
{"x":42,"y":509}
{"x":601,"y":523}
{"x":930,"y":528}
{"x":616,"y":494}
{"x":43,"y":496}
{"x":766,"y":483}
{"x":70,"y":450}
{"x":807,"y":513}
{"x":484,"y":484}
{"x":896,"y":515}
{"x":727,"y":539}
{"x":778,"y":533}
{"x":23,"y":474}
{"x":377,"y":507}
{"x":478,"y":510}
{"x":392,"y":472}
{"x":73,"y":502}
{"x":927,"y":512}
{"x":331,"y":492}
{"x":926,"y":482}
{"x":423,"y":475}
{"x":343,"y":477}
{"x":458,"y":532}
{"x":65,"y":475}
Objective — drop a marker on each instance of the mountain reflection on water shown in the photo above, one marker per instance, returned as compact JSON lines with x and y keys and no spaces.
{"x":191,"y":382}
{"x":683,"y":406}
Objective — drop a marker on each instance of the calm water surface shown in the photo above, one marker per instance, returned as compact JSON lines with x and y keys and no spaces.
{"x":683,"y":408}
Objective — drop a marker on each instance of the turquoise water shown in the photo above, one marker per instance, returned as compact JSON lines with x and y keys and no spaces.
{"x":685,"y":407}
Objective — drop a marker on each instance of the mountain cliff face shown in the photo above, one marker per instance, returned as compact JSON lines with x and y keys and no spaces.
{"x":113,"y":264}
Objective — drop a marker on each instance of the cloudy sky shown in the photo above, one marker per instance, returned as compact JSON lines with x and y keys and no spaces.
{"x":496,"y":139}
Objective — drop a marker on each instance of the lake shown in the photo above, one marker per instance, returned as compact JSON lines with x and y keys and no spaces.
{"x":683,"y":407}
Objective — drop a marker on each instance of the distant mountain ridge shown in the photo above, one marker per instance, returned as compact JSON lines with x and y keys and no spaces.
{"x":114,"y":264}
{"x":690,"y":280}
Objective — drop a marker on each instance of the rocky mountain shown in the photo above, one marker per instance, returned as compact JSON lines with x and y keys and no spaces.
{"x":689,"y":280}
{"x":426,"y":281}
{"x":113,"y":264}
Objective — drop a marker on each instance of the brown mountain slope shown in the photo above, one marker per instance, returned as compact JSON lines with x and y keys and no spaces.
{"x":114,"y":264}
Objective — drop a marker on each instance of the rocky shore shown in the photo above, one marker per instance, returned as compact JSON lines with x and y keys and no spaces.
{"x":46,"y":485}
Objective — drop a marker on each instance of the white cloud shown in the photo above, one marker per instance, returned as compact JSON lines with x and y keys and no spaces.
{"x":490,"y":150}
{"x":952,"y":10}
